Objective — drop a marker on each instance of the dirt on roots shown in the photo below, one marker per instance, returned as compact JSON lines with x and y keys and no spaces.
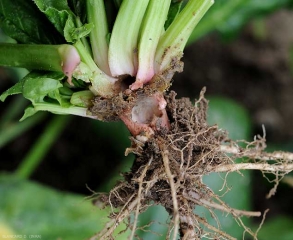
{"x":174,"y":148}
{"x":168,"y":171}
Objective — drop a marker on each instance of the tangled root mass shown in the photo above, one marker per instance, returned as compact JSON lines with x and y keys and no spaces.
{"x":174,"y":148}
{"x":169,"y":167}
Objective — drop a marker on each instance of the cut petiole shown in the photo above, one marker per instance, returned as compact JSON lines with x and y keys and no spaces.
{"x":173,"y":41}
{"x":124,"y":38}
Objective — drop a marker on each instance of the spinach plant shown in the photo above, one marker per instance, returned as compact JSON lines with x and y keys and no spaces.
{"x":115,"y":60}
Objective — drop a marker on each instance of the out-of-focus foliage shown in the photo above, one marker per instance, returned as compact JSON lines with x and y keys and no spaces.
{"x":279,"y":228}
{"x":230,"y":116}
{"x":31,"y":209}
{"x":229,"y":16}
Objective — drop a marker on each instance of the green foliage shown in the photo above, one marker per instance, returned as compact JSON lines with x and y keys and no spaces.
{"x":57,"y":11}
{"x":22,"y":21}
{"x":53,"y":214}
{"x":279,"y":228}
{"x":63,"y":19}
{"x":173,"y":12}
{"x":72,"y":33}
{"x":36,"y":86}
{"x":32,"y":209}
{"x":228,"y":17}
{"x":47,"y":92}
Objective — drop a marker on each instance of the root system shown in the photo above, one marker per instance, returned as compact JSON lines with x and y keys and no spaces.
{"x":171,"y":160}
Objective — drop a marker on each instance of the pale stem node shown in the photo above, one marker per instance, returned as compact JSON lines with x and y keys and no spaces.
{"x":124,"y":38}
{"x":149,"y":38}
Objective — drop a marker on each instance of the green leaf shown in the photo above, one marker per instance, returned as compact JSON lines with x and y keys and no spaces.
{"x":155,"y":217}
{"x":230,"y":116}
{"x":72,"y":33}
{"x":29,"y":208}
{"x":229,"y":16}
{"x":22,"y":21}
{"x":173,"y":12}
{"x":62,"y":100}
{"x":28,"y":112}
{"x":16,"y":89}
{"x":36,"y":87}
{"x":278,"y":228}
{"x":57,"y":11}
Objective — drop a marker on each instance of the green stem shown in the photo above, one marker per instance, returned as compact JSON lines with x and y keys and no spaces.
{"x":150,"y":33}
{"x":124,"y":38}
{"x":57,"y":109}
{"x":59,"y":58}
{"x":86,"y":57}
{"x":14,"y":130}
{"x":98,"y":36}
{"x":174,"y":39}
{"x":83,"y":39}
{"x":102,"y":84}
{"x":40,"y":57}
{"x":41,"y":147}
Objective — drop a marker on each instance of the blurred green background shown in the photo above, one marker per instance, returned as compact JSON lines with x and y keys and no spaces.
{"x":242,"y":52}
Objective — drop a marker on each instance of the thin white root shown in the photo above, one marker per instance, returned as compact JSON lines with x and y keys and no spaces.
{"x":236,"y":212}
{"x":284,"y":168}
{"x":112,"y":225}
{"x":173,"y":193}
{"x":238,"y":152}
{"x":140,"y":180}
{"x":214,"y":229}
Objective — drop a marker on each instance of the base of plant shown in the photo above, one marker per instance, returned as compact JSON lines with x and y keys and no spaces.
{"x":169,"y":167}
